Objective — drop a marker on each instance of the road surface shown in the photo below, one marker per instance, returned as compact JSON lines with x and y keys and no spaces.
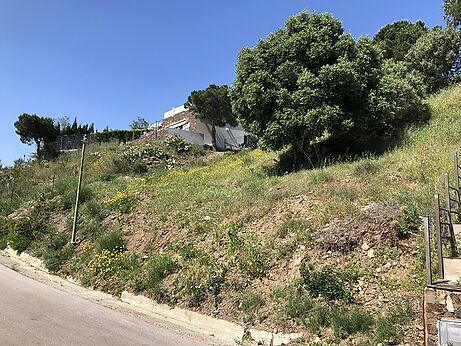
{"x":32,"y":313}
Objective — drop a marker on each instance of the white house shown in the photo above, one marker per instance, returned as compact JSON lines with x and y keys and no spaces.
{"x":183,"y":122}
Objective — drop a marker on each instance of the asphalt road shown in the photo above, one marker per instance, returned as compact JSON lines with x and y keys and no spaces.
{"x":32,"y":313}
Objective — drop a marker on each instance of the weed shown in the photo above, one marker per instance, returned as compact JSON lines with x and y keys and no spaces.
{"x":58,"y":251}
{"x":347,"y":321}
{"x":291,"y":224}
{"x":365,"y":167}
{"x":131,"y":272}
{"x":106,"y":264}
{"x":330,"y":282}
{"x":250,"y":301}
{"x":252,"y":259}
{"x":111,"y":241}
{"x":388,"y":327}
{"x":299,"y":305}
{"x":159,"y":267}
{"x":410,"y":222}
{"x":234,"y":242}
{"x":67,"y":190}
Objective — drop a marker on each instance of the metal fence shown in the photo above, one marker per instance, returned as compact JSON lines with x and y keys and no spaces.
{"x":70,"y":142}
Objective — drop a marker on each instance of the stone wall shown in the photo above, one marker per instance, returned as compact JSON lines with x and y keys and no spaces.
{"x":440,"y":303}
{"x":180,"y":117}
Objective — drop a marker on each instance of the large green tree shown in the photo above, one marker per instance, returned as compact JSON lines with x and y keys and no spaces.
{"x":212,"y":105}
{"x":396,"y":39}
{"x":310,"y":82}
{"x":452,"y":9}
{"x":34,"y":129}
{"x":436,"y":55}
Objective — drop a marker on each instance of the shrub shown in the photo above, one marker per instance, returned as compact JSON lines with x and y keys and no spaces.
{"x":57,"y":251}
{"x":111,"y":242}
{"x":410,"y":221}
{"x":159,"y":267}
{"x":145,"y":152}
{"x":177,"y":143}
{"x":67,"y":189}
{"x":299,"y":305}
{"x":365,"y":167}
{"x":119,"y":135}
{"x":106,"y":264}
{"x":250,"y":301}
{"x":21,"y":233}
{"x":347,"y":321}
{"x":388,"y":330}
{"x":330,"y":282}
{"x":252,"y":259}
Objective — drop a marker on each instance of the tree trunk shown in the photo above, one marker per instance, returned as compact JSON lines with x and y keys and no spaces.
{"x":213,"y":135}
{"x":38,"y":148}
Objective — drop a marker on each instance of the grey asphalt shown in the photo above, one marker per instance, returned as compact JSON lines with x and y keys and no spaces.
{"x":32,"y":313}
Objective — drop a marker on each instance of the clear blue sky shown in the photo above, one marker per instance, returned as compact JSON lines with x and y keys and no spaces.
{"x":109,"y":61}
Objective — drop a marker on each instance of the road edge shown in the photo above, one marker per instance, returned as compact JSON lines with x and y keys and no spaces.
{"x":210,"y":329}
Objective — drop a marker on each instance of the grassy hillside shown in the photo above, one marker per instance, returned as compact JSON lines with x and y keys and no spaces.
{"x":332,"y":251}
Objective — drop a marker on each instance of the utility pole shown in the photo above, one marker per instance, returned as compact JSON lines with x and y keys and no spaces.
{"x":77,"y":199}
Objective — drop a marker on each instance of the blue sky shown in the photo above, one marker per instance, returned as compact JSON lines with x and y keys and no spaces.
{"x":109,"y":61}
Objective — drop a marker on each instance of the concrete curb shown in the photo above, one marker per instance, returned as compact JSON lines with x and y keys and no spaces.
{"x":225,"y":331}
{"x":26,"y":258}
{"x":220,"y":329}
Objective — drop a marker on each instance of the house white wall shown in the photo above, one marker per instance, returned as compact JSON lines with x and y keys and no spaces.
{"x":227,"y":137}
{"x":173,"y":111}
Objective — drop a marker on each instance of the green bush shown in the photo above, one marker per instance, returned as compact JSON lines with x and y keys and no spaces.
{"x":111,"y":241}
{"x":58,"y":250}
{"x":67,"y":189}
{"x":410,"y":221}
{"x":21,"y":233}
{"x":119,"y":135}
{"x":388,"y":330}
{"x":177,"y":143}
{"x":250,"y":301}
{"x":299,"y":305}
{"x":330,"y":282}
{"x":159,"y":267}
{"x":252,"y":259}
{"x":350,"y":320}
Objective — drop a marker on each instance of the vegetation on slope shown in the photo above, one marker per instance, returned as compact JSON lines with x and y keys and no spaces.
{"x":333,"y":251}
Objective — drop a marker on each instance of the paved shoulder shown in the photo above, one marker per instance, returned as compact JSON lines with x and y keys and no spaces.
{"x":32,"y":313}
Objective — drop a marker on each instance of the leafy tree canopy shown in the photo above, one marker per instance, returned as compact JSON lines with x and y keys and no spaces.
{"x":139,"y":124}
{"x":75,"y":129}
{"x":309,"y":82}
{"x":34,"y":129}
{"x":452,"y":9}
{"x":396,"y":39}
{"x":436,"y":56}
{"x":213,"y":105}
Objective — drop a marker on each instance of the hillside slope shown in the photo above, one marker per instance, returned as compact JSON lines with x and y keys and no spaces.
{"x":334,"y":252}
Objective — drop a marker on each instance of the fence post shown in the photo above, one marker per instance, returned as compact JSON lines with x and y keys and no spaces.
{"x":438,"y":234}
{"x":77,"y":199}
{"x":427,"y":240}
